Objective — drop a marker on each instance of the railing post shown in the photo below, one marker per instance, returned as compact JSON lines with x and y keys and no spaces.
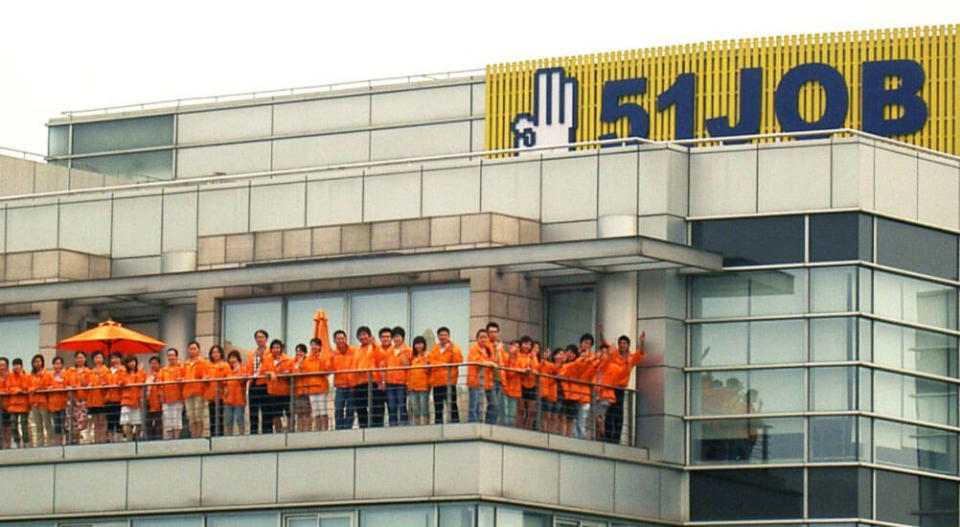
{"x":591,"y":430}
{"x":144,"y":413}
{"x":369,"y":397}
{"x":447,"y":396}
{"x":218,"y":410}
{"x":538,"y":424}
{"x":292,"y":420}
{"x":68,"y":418}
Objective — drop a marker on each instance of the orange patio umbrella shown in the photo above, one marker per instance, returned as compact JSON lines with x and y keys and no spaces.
{"x":111,"y":336}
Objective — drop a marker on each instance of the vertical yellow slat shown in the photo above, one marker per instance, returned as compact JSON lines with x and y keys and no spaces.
{"x":941,"y":91}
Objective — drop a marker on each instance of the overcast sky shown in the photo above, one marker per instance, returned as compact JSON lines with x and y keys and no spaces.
{"x":73,"y":55}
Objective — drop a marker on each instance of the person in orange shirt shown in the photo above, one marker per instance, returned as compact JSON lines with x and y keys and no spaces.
{"x":277,"y":366}
{"x":57,"y":400}
{"x":512,"y":384}
{"x":5,"y":421}
{"x":16,"y":403}
{"x":397,"y":355}
{"x":41,"y":425}
{"x":585,"y":370}
{"x":444,"y":380}
{"x":259,"y":399}
{"x":112,"y":397}
{"x":493,"y":414}
{"x":625,"y":363}
{"x":548,"y":392}
{"x":131,"y":379}
{"x":195,"y":368}
{"x":526,"y":361}
{"x":418,"y":382}
{"x":171,"y":395}
{"x":344,"y":360}
{"x":368,"y":392}
{"x":77,"y":376}
{"x":303,"y":421}
{"x":218,"y":369}
{"x":234,"y":396}
{"x":98,"y":377}
{"x":479,"y":379}
{"x":315,"y":367}
{"x":154,"y":421}
{"x":569,"y":401}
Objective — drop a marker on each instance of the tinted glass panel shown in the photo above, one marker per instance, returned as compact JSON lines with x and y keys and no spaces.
{"x":833,"y":289}
{"x":765,"y":494}
{"x":58,"y":140}
{"x":391,"y":516}
{"x":839,"y":492}
{"x":140,"y":166}
{"x":914,"y":349}
{"x":839,"y":438}
{"x":737,"y":343}
{"x":915,"y":447}
{"x":833,"y":339}
{"x":750,"y":391}
{"x":833,"y":389}
{"x":915,"y":398}
{"x":915,"y":248}
{"x":758,"y":293}
{"x":122,"y":134}
{"x":741,"y":441}
{"x":570,"y":314}
{"x":20,"y":337}
{"x":915,"y":500}
{"x":242,"y":318}
{"x":912,"y":300}
{"x":846,"y":236}
{"x":752,"y":241}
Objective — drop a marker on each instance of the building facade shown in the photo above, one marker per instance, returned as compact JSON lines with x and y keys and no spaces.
{"x":797,"y":283}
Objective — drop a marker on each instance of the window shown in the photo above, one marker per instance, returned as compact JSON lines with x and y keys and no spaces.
{"x":20,"y":338}
{"x":915,"y":398}
{"x":915,"y":447}
{"x":912,"y":300}
{"x":742,"y":441}
{"x":746,"y":391}
{"x":835,"y":340}
{"x":244,"y":519}
{"x":141,"y":165}
{"x":915,"y":349}
{"x":839,"y":438}
{"x":916,"y":500}
{"x":570,"y":313}
{"x":242,"y":318}
{"x":456,"y":516}
{"x":122,"y":134}
{"x":838,"y":237}
{"x":833,"y":289}
{"x":417,"y":516}
{"x":744,"y":294}
{"x":833,"y":389}
{"x":300,"y":309}
{"x":916,"y":248}
{"x":183,"y":521}
{"x":752,"y":241}
{"x":736,"y":343}
{"x":840,"y":492}
{"x":755,"y":494}
{"x":58,"y":140}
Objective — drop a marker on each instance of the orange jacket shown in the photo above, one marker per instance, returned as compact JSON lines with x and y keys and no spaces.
{"x":512,"y":381}
{"x":527,"y":361}
{"x":58,"y":400}
{"x":112,"y":394}
{"x":16,"y":388}
{"x":281,"y":365}
{"x":76,"y":378}
{"x":479,"y":354}
{"x":170,"y":393}
{"x":130,"y":396}
{"x":153,"y":393}
{"x":235,"y":391}
{"x":249,"y":367}
{"x":343,"y":362}
{"x":627,"y":364}
{"x":608,"y":373}
{"x":548,"y":386}
{"x":40,"y":381}
{"x":101,"y":376}
{"x":418,"y":379}
{"x":445,"y":376}
{"x":369,"y":357}
{"x":216,"y":370}
{"x":397,"y":358}
{"x":316,"y":365}
{"x":195,"y":369}
{"x":583,"y":369}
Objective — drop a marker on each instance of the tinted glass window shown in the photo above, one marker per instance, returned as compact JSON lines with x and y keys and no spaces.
{"x":916,"y":248}
{"x":839,"y":438}
{"x":752,"y":241}
{"x":846,"y":236}
{"x":839,"y":492}
{"x":766,"y":494}
{"x":915,"y":500}
{"x":122,"y":134}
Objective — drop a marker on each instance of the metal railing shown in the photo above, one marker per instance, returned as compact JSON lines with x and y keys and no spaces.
{"x":588,"y":410}
{"x":282,"y":92}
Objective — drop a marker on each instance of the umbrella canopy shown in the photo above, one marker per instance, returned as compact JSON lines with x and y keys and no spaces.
{"x":111,"y":336}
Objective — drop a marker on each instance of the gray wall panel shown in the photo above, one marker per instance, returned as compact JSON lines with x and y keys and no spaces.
{"x":163,"y":483}
{"x":239,"y":479}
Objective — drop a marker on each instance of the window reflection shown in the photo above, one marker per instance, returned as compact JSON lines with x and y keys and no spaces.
{"x":780,"y":292}
{"x":748,"y":440}
{"x":915,"y":349}
{"x":912,"y":300}
{"x":747,"y":392}
{"x":915,"y":447}
{"x":735,"y":343}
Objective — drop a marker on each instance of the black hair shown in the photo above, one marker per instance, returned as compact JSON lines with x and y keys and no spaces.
{"x":276,"y":342}
{"x":265,"y":334}
{"x":194,"y":343}
{"x":493,"y":325}
{"x":132,"y":358}
{"x":441,"y":329}
{"x":5,"y":360}
{"x":155,"y":358}
{"x":300,"y":347}
{"x":78,"y":353}
{"x":479,"y":331}
{"x":234,"y":353}
{"x":174,"y":350}
{"x":398,"y":331}
{"x":18,"y":361}
{"x":364,"y":329}
{"x":95,"y":353}
{"x":384,"y":330}
{"x":57,"y":358}
{"x":316,"y":341}
{"x":622,"y":338}
{"x":42,"y":363}
{"x":116,"y":354}
{"x":215,"y":347}
{"x":419,"y":340}
{"x":524,"y":339}
{"x":339,"y":332}
{"x":586,"y":337}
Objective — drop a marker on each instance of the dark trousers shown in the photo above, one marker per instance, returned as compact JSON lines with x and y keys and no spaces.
{"x":215,"y":428}
{"x":360,"y":404}
{"x":378,"y":398}
{"x":440,"y":399}
{"x":397,"y":404}
{"x":260,"y":404}
{"x":613,"y":420}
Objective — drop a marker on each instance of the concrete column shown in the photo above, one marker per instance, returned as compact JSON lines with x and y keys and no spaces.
{"x":617,"y":292}
{"x":177,"y":326}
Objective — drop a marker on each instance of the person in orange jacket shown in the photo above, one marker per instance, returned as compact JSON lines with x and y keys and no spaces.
{"x":112,"y":397}
{"x":77,"y":376}
{"x":626,"y":362}
{"x":316,"y":367}
{"x":131,"y":379}
{"x":368,"y":392}
{"x":154,"y":410}
{"x":398,"y":355}
{"x":418,"y":382}
{"x":277,"y":366}
{"x":16,"y":402}
{"x":303,"y":418}
{"x":41,"y":426}
{"x":234,"y":396}
{"x":584,"y":369}
{"x":5,"y":422}
{"x":526,"y":360}
{"x":259,"y":400}
{"x":98,"y":377}
{"x":57,"y":400}
{"x":195,"y":368}
{"x":171,"y":395}
{"x":213,"y":394}
{"x":480,"y":380}
{"x":566,"y":395}
{"x":344,"y":360}
{"x":548,"y":391}
{"x":444,"y":380}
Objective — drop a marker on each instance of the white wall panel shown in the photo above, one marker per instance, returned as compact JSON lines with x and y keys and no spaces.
{"x":223,"y":211}
{"x":618,"y":183}
{"x":569,"y":189}
{"x":896,"y":181}
{"x":318,"y":475}
{"x":321,"y":150}
{"x":334,"y":201}
{"x":424,"y":104}
{"x":226,"y":159}
{"x":395,"y":471}
{"x":320,"y":115}
{"x":391,"y":196}
{"x":417,"y":141}
{"x":73,"y":491}
{"x":277,"y":206}
{"x":793,"y":177}
{"x":451,"y":191}
{"x":939,"y":189}
{"x":28,"y":490}
{"x":84,"y":226}
{"x":586,"y":482}
{"x":32,"y":228}
{"x":723,"y":182}
{"x":136,"y":226}
{"x":636,"y":490}
{"x":224,"y":125}
{"x":180,"y":221}
{"x":533,"y":474}
{"x":239,"y":479}
{"x":163,"y":483}
{"x":511,"y":188}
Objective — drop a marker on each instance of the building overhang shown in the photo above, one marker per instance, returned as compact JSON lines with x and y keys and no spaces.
{"x":607,"y":255}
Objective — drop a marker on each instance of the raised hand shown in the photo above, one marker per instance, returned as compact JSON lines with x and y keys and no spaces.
{"x":554,"y":121}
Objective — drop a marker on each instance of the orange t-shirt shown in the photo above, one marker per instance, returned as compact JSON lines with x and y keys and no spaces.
{"x":215,"y":370}
{"x":249,"y":366}
{"x":282,"y":365}
{"x":369,"y":357}
{"x":153,"y":392}
{"x":113,"y":392}
{"x":479,"y":354}
{"x":316,"y":365}
{"x":171,"y":393}
{"x":418,"y":379}
{"x":130,"y":396}
{"x":77,"y":377}
{"x":195,"y":369}
{"x":512,"y":380}
{"x":397,"y":358}
{"x":626,"y":367}
{"x":40,"y":382}
{"x":608,"y":373}
{"x":235,"y":389}
{"x":57,"y":401}
{"x":450,"y":355}
{"x":101,"y":376}
{"x":525,"y":361}
{"x":344,"y":362}
{"x":16,"y":386}
{"x":548,"y":385}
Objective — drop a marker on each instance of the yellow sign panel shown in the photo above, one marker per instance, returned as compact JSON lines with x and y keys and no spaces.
{"x":900,"y":83}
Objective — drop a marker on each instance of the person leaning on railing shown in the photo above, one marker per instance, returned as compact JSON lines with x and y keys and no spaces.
{"x":479,"y":379}
{"x":418,"y":382}
{"x":444,"y":380}
{"x":41,"y":425}
{"x":171,"y":396}
{"x":234,"y":396}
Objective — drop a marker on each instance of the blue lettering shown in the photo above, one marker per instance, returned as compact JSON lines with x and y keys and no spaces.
{"x":786,"y":98}
{"x":906,"y":96}
{"x":680,"y":95}
{"x":751,"y":96}
{"x":612,"y":110}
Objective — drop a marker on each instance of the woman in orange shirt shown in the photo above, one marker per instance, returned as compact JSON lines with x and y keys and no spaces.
{"x":418,"y":382}
{"x":316,"y":366}
{"x":100,"y":375}
{"x":479,"y":379}
{"x":77,"y":376}
{"x":16,"y":403}
{"x":526,"y":360}
{"x":301,"y":401}
{"x":217,"y":369}
{"x":512,"y":384}
{"x":130,"y":380}
{"x":57,"y":401}
{"x":398,"y":356}
{"x":41,"y":426}
{"x":154,"y":416}
{"x":548,"y":392}
{"x":234,"y":396}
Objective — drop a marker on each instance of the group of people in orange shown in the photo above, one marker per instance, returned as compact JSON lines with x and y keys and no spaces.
{"x":573,"y":390}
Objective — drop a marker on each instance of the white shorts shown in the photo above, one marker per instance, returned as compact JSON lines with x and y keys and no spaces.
{"x":318,"y":404}
{"x":173,"y":415}
{"x":131,"y":416}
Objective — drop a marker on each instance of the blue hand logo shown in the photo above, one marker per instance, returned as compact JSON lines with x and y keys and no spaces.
{"x":554,"y":121}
